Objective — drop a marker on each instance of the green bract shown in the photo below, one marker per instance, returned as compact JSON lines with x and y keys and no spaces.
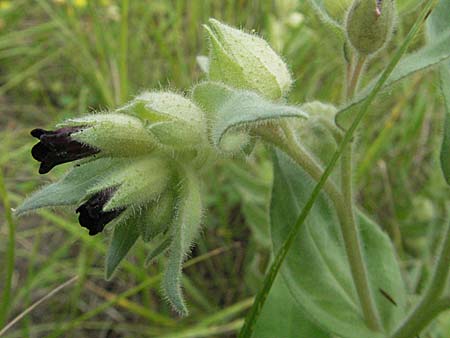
{"x":369,"y":25}
{"x":246,"y":61}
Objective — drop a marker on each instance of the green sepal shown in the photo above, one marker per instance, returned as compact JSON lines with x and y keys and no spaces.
{"x":157,"y":216}
{"x":173,"y":119}
{"x":114,"y":134}
{"x":138,"y":181}
{"x":160,"y":246}
{"x":70,"y":189}
{"x":184,"y":231}
{"x":246,"y":61}
{"x":124,"y":236}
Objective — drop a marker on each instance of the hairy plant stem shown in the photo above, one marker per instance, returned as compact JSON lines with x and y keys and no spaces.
{"x":289,"y":145}
{"x":349,"y":226}
{"x":349,"y":229}
{"x":431,"y":304}
{"x":356,"y":75}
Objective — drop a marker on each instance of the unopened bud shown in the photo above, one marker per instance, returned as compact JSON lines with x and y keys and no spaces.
{"x":246,"y":61}
{"x":113,"y":134}
{"x":173,"y":119}
{"x":369,"y":24}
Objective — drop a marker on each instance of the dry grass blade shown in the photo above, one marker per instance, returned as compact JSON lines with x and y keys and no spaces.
{"x":36,"y":304}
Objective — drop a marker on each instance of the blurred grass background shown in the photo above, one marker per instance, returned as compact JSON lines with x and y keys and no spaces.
{"x":65,"y":58}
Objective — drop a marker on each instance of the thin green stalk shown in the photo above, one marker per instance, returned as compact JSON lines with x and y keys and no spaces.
{"x":261,"y":297}
{"x":349,"y":227}
{"x":356,"y":76}
{"x":430,"y":305}
{"x":10,"y":252}
{"x":123,"y":65}
{"x":352,"y":245}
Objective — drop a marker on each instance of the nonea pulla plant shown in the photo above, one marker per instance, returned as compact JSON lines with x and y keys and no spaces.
{"x":138,"y":172}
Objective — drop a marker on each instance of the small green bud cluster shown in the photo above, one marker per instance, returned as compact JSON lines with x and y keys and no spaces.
{"x":369,"y":25}
{"x":138,"y":168}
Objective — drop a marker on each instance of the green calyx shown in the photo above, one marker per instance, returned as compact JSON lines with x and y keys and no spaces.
{"x":114,"y":134}
{"x":245,"y":61}
{"x":369,"y":25}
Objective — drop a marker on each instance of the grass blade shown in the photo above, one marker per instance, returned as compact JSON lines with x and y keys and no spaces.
{"x":10,"y":253}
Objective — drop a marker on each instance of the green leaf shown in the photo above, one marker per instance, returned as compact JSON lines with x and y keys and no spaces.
{"x":231,"y":111}
{"x":124,"y":236}
{"x":317,"y":272}
{"x":432,"y":53}
{"x":184,"y":231}
{"x":71,"y":188}
{"x":282,"y":317}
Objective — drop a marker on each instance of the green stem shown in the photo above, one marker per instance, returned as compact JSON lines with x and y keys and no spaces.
{"x":352,"y":244}
{"x":10,"y":254}
{"x":261,"y":297}
{"x":294,"y":150}
{"x":123,"y":66}
{"x":356,"y":76}
{"x":428,"y":307}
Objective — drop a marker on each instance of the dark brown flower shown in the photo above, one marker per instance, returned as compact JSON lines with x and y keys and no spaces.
{"x":91,"y":212}
{"x":57,"y":147}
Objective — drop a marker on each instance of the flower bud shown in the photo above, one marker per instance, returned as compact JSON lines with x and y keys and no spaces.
{"x":246,"y":61}
{"x":174,"y":120}
{"x":369,"y":24}
{"x":113,"y":134}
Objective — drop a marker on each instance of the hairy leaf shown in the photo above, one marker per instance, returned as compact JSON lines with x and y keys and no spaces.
{"x":282,"y":317}
{"x":185,"y":228}
{"x":71,"y":188}
{"x":231,"y":111}
{"x":317,"y":271}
